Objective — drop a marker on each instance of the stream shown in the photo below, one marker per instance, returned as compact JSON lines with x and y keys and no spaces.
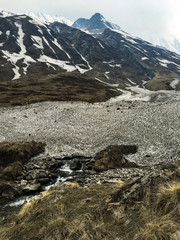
{"x":14,"y":205}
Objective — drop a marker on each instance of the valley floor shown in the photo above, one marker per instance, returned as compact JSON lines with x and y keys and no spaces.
{"x":144,"y":207}
{"x":83,"y":128}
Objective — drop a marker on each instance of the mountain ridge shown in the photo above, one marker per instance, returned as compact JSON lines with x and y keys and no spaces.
{"x":31,"y":48}
{"x":95,"y":25}
{"x":171,"y":43}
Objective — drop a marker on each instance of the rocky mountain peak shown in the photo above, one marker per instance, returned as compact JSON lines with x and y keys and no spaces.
{"x":97,"y":16}
{"x":95,"y":25}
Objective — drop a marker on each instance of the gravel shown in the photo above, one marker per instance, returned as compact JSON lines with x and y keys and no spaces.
{"x":77,"y":128}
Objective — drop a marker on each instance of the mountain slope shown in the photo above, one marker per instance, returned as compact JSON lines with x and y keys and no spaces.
{"x":30,"y":48}
{"x":117,"y":57}
{"x":159,"y":66}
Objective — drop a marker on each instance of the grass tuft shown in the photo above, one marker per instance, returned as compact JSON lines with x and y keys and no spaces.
{"x":158,"y":228}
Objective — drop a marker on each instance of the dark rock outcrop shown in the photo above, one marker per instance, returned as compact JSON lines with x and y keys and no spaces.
{"x":13,"y":157}
{"x":112,"y":157}
{"x":75,"y":165}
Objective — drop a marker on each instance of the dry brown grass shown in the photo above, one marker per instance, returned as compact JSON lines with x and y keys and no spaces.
{"x":170,"y":192}
{"x":156,"y":225}
{"x":26,"y":209}
{"x":70,"y":212}
{"x":58,"y":87}
{"x":156,"y":229}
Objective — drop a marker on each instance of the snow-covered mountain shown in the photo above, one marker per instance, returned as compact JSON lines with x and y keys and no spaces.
{"x":29,"y":48}
{"x":171,"y":43}
{"x":46,"y":18}
{"x":95,"y":25}
{"x":42,"y":17}
{"x":4,"y":13}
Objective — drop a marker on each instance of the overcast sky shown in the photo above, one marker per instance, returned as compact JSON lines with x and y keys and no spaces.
{"x":139,"y":17}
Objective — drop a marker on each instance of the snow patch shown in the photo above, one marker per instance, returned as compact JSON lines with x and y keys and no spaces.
{"x":174,"y":83}
{"x":105,"y":83}
{"x":115,"y":65}
{"x":107,"y":77}
{"x":37,"y":22}
{"x":8,"y":33}
{"x":144,"y":58}
{"x":127,"y":36}
{"x":165,"y":62}
{"x":81,"y":70}
{"x":61,"y":64}
{"x":134,"y":94}
{"x":40,"y":31}
{"x":16,"y":72}
{"x":50,"y":66}
{"x":59,"y":46}
{"x":131,"y":40}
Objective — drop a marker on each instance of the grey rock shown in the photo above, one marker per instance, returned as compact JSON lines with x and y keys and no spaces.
{"x":30,"y":188}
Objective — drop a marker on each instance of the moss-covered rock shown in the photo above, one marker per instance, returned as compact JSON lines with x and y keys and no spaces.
{"x":112,"y":157}
{"x":13,"y":156}
{"x":19,"y":151}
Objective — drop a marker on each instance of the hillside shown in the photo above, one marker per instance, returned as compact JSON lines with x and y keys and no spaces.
{"x":147,"y":208}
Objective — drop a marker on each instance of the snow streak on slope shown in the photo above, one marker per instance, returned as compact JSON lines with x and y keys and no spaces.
{"x":59,"y":46}
{"x":38,"y":42}
{"x":81,"y":70}
{"x":165,"y":62}
{"x":62,"y":64}
{"x":15,"y":57}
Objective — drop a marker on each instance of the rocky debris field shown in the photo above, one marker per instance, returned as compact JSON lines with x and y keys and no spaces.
{"x":83,"y":129}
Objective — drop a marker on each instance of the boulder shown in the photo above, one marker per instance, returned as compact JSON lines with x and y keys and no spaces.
{"x":76,"y":165}
{"x":7,"y":191}
{"x":31,"y":188}
{"x":112,"y":157}
{"x":14,"y":155}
